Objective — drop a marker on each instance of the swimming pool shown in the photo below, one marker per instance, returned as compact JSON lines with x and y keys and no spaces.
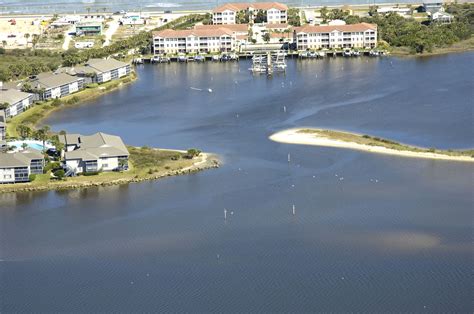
{"x":31,"y":144}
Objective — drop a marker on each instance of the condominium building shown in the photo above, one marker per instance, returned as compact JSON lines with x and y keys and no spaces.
{"x":16,"y":167}
{"x":194,"y":41}
{"x":17,"y":101}
{"x":362,"y":35}
{"x":56,"y":85}
{"x":274,"y":12}
{"x":92,"y":153}
{"x":103,"y":70}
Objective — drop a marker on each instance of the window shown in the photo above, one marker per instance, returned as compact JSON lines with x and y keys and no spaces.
{"x":7,"y":176}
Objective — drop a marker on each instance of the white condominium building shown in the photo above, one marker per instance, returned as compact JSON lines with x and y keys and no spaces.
{"x":194,"y":41}
{"x":275,"y":12}
{"x":362,"y":35}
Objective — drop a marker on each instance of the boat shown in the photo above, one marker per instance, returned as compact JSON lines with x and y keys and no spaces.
{"x":215,"y":58}
{"x":224,"y":57}
{"x":137,"y":61}
{"x":164,"y":60}
{"x":347,"y":53}
{"x":321,"y":54}
{"x":181,"y":57}
{"x":199,"y":58}
{"x":233,"y":57}
{"x":373,"y":53}
{"x":312,"y":54}
{"x":356,"y":53}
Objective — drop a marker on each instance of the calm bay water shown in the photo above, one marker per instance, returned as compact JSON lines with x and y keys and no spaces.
{"x":70,"y":6}
{"x":394,"y":234}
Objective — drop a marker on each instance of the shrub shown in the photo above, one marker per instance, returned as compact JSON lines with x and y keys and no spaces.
{"x":193,"y":152}
{"x":32,"y":177}
{"x":59,"y":174}
{"x":56,"y":102}
{"x":92,"y":85}
{"x":92,"y":173}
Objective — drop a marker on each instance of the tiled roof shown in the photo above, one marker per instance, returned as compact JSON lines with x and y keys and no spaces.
{"x":240,"y":28}
{"x":50,"y":80}
{"x":277,"y":25}
{"x":244,"y":6}
{"x":330,"y":28}
{"x":105,"y":65}
{"x":169,"y":33}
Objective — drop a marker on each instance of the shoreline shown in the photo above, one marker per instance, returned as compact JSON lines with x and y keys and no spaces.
{"x":203,"y":162}
{"x":315,"y":137}
{"x":39,"y":112}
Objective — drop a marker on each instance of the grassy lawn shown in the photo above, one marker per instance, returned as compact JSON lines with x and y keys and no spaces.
{"x":145,"y":163}
{"x":460,"y":46}
{"x":376,"y":141}
{"x":34,"y":114}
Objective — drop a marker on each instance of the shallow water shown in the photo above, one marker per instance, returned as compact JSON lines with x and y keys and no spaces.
{"x":370,"y":233}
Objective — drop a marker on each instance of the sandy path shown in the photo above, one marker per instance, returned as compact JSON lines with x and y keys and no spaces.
{"x":293,"y":137}
{"x":113,"y":27}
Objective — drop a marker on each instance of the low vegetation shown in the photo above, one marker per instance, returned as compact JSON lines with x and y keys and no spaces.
{"x":416,"y":36}
{"x":377,"y":141}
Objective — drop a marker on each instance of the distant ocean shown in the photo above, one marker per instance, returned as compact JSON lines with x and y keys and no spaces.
{"x":71,"y":6}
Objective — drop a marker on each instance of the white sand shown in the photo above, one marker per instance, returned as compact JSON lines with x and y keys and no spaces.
{"x":293,"y":137}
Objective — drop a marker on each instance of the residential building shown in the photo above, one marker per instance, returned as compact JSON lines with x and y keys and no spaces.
{"x":103,"y":70}
{"x":432,"y":6}
{"x":17,"y":100}
{"x":56,"y":85}
{"x":3,"y":129}
{"x":362,"y":35}
{"x":194,"y":41}
{"x":236,"y":29}
{"x":92,"y":153}
{"x":274,"y":12}
{"x":278,"y":27}
{"x":16,"y":167}
{"x":88,"y":28}
{"x":442,"y":17}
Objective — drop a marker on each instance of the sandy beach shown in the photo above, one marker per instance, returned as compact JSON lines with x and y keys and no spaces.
{"x":295,"y":136}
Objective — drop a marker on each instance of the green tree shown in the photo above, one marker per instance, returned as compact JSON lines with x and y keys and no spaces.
{"x":324,"y":14}
{"x":193,"y":152}
{"x":4,"y":105}
{"x":294,"y":17}
{"x":42,"y":134}
{"x":24,"y":131}
{"x":266,"y":37}
{"x":24,"y":146}
{"x":261,"y":17}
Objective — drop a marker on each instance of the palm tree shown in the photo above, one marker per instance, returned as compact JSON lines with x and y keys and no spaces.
{"x":42,"y":134}
{"x":24,"y":146}
{"x":27,"y":36}
{"x":24,"y":130}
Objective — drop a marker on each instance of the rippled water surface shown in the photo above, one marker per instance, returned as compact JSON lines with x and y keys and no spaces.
{"x":371,"y":232}
{"x":70,"y":6}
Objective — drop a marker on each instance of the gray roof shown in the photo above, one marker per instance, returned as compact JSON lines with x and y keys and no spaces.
{"x":12,"y":96}
{"x":105,"y":65}
{"x":70,"y":138}
{"x":19,"y":159}
{"x":51,"y":80}
{"x":98,"y":145}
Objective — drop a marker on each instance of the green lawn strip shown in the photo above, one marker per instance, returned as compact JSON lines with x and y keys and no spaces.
{"x":377,"y":141}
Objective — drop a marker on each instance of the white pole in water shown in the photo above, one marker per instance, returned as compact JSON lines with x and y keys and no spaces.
{"x":225,"y":214}
{"x":294,"y":210}
{"x":289,"y":157}
{"x":284,"y":108}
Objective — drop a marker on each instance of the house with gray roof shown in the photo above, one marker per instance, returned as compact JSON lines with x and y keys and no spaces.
{"x":56,"y":85}
{"x":16,"y":167}
{"x":103,"y":70}
{"x":92,"y":153}
{"x":17,"y":100}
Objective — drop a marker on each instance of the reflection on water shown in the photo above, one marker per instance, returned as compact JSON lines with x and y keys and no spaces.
{"x":371,"y":232}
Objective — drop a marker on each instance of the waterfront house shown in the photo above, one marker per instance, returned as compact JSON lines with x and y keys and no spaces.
{"x":16,"y":167}
{"x":92,"y":153}
{"x":56,"y":85}
{"x":170,"y":41}
{"x":89,"y":28}
{"x":274,"y":12}
{"x":362,"y":35}
{"x":432,"y":6}
{"x":103,"y":70}
{"x":17,"y":101}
